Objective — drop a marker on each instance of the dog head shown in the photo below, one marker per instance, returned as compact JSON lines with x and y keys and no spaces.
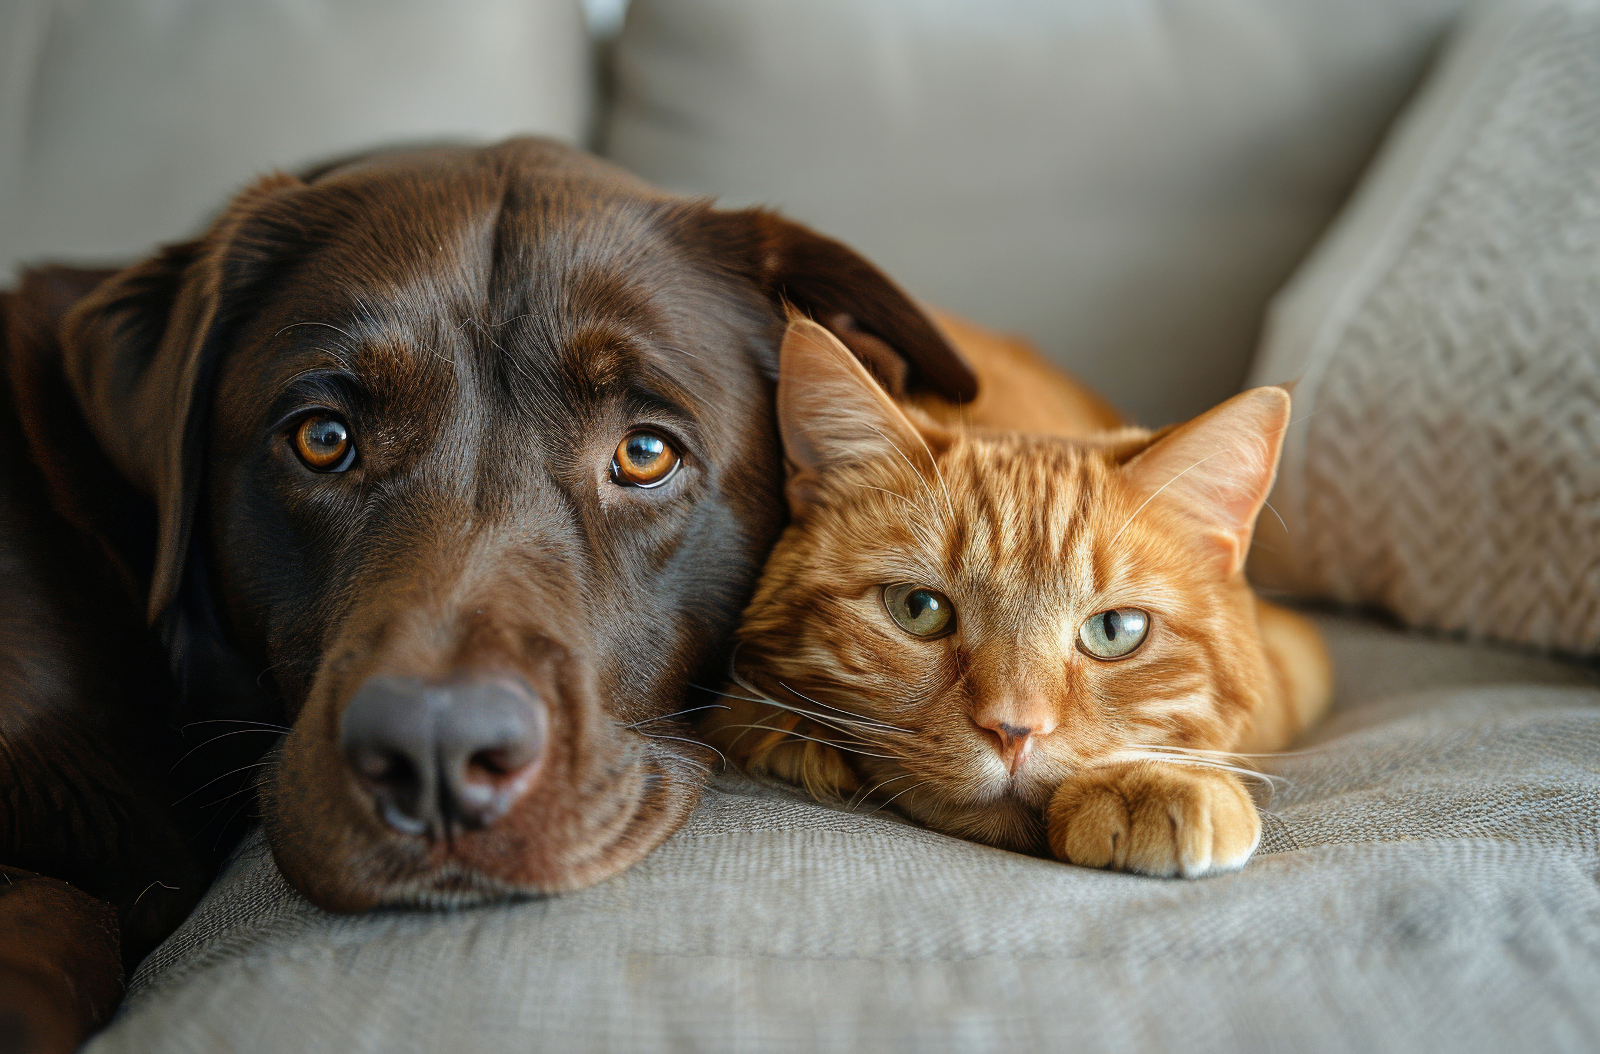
{"x":465,"y":459}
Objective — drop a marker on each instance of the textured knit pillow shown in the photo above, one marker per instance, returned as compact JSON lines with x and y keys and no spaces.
{"x":1445,"y":460}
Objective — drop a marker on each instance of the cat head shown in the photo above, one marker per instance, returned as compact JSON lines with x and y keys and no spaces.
{"x":972,"y":617}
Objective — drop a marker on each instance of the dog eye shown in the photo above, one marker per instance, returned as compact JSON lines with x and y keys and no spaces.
{"x":1114,"y":634}
{"x":920,"y":611}
{"x":323,"y":444}
{"x":644,"y":459}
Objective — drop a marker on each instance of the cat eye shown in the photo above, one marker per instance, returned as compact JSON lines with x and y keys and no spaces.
{"x":323,"y":444}
{"x":1114,"y":634}
{"x":644,"y":459}
{"x":920,"y":611}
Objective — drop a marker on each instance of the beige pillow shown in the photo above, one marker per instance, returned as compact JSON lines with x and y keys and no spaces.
{"x":1445,"y":460}
{"x":1125,"y":181}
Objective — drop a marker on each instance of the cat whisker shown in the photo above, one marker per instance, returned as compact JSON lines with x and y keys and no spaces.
{"x":679,"y":713}
{"x":825,"y":742}
{"x":1230,"y":753}
{"x":938,"y":474}
{"x":1160,"y":757}
{"x":862,"y":795}
{"x":845,"y":714}
{"x":856,"y":729}
{"x":908,"y":790}
{"x":725,"y":695}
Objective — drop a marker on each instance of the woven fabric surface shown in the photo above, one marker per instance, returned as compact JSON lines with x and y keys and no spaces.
{"x":1447,"y":340}
{"x":1427,"y":882}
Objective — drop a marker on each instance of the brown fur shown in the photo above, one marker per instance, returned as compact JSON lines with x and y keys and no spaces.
{"x":490,"y":323}
{"x":1028,"y":535}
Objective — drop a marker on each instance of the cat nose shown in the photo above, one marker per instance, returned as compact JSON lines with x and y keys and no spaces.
{"x":1015,"y":740}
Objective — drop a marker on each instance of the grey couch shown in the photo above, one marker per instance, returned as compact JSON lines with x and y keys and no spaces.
{"x":1129,"y":184}
{"x":1426,"y":882}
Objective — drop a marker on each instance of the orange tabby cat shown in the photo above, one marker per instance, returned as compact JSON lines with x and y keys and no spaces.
{"x":1038,"y":639}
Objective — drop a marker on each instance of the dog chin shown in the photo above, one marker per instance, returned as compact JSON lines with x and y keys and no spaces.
{"x":372,"y":867}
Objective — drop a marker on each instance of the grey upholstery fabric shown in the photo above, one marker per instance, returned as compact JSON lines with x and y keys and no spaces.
{"x":1127,"y":182}
{"x":1446,"y":338}
{"x":127,"y":123}
{"x":1427,"y":882}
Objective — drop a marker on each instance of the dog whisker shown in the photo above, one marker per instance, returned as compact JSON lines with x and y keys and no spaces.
{"x":223,"y":830}
{"x":147,"y":889}
{"x":679,"y":758}
{"x":225,"y":775}
{"x":235,"y":721}
{"x":691,"y":742}
{"x":225,"y":735}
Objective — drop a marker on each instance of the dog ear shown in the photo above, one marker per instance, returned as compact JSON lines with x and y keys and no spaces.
{"x":138,"y":354}
{"x":83,"y":486}
{"x":832,"y":413}
{"x":835,"y":285}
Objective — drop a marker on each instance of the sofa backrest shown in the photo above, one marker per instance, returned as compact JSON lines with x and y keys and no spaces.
{"x":124,"y":123}
{"x":1126,"y":181}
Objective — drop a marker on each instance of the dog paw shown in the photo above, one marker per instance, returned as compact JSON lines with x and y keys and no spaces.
{"x":1154,"y":819}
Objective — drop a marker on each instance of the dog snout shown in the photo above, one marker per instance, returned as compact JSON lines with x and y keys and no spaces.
{"x":435,"y":758}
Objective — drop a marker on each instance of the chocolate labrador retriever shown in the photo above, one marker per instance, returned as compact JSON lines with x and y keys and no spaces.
{"x":459,"y":463}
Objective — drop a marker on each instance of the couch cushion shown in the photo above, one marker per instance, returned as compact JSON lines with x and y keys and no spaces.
{"x":124,"y":123}
{"x":1126,"y":182}
{"x":1446,"y":463}
{"x":1426,"y":883}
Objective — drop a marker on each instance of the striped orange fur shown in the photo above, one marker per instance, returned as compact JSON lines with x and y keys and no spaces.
{"x":1008,"y":730}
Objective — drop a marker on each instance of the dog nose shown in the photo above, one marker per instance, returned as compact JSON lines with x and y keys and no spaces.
{"x":436,"y":757}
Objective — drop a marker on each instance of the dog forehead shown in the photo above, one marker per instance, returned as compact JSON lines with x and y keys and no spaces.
{"x":420,"y":259}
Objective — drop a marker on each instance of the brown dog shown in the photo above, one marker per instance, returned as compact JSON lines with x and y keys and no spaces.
{"x":462,"y":464}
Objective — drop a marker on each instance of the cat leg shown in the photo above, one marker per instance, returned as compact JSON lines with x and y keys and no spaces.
{"x":1155,"y":819}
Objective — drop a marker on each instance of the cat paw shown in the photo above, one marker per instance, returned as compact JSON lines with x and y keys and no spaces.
{"x":1155,"y":819}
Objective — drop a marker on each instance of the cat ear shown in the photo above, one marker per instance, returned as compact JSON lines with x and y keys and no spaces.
{"x":1218,"y":468}
{"x":832,"y":413}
